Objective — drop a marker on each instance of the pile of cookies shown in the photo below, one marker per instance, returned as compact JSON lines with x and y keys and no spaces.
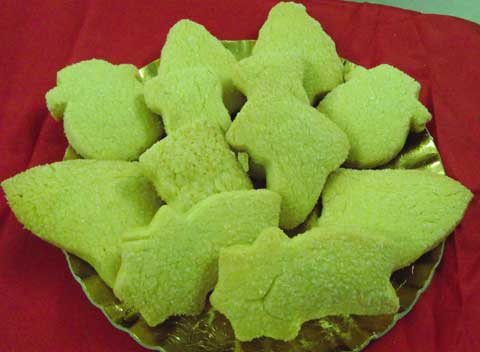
{"x":186,"y":183}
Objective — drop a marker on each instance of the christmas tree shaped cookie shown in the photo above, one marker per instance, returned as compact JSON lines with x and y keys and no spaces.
{"x":289,"y":29}
{"x":189,"y":45}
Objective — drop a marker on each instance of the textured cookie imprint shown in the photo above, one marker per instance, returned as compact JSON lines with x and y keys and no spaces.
{"x":192,"y":164}
{"x":84,"y":206}
{"x":105,"y":116}
{"x":169,"y":267}
{"x":188,"y":45}
{"x":289,"y":29}
{"x":271,"y":75}
{"x":415,"y":210}
{"x":273,"y":286}
{"x":297,"y":146}
{"x":376,"y":108}
{"x":184,"y":96}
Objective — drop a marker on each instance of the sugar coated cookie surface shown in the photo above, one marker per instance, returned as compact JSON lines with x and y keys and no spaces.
{"x":193,"y":163}
{"x":376,"y":108}
{"x":169,"y":266}
{"x":289,"y":29}
{"x":413,"y":209}
{"x":184,"y":96}
{"x":271,"y":74}
{"x":105,"y":116}
{"x":297,"y":146}
{"x":188,"y":45}
{"x":84,"y":206}
{"x":272,"y":287}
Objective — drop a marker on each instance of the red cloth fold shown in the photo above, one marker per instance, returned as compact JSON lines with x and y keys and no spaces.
{"x":42,"y":308}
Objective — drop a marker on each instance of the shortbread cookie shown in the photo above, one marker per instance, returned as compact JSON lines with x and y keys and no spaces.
{"x":272,"y":287}
{"x":297,"y":146}
{"x":84,"y":206}
{"x":169,"y":266}
{"x":415,"y":210}
{"x":376,"y":108}
{"x":193,"y":163}
{"x":104,"y":113}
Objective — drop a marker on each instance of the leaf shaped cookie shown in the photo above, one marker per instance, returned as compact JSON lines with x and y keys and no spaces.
{"x":169,"y":266}
{"x":193,"y":163}
{"x":188,"y":45}
{"x":84,"y":206}
{"x":105,"y":116}
{"x":184,"y":96}
{"x":297,"y":146}
{"x":271,"y":74}
{"x":289,"y":29}
{"x":414,"y":210}
{"x":376,"y":108}
{"x":272,"y":287}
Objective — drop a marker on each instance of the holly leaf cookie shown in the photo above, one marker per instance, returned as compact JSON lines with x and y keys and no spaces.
{"x":83,"y":207}
{"x":414,"y":210}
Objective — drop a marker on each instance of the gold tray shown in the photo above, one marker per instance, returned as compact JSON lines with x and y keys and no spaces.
{"x":211,"y":331}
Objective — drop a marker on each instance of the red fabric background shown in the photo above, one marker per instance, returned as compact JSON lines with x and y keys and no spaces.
{"x":43,"y":309}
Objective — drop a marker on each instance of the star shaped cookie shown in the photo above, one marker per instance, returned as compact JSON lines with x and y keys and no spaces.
{"x":169,"y":266}
{"x":272,"y":287}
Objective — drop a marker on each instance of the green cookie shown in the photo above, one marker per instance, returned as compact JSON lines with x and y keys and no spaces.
{"x":184,"y":96}
{"x":414,"y":210}
{"x":376,"y":108}
{"x":83,"y":206}
{"x":169,"y":266}
{"x":272,"y":287}
{"x":297,"y":146}
{"x":105,"y":116}
{"x":189,"y":45}
{"x":271,"y":74}
{"x":289,"y":29}
{"x":193,"y":163}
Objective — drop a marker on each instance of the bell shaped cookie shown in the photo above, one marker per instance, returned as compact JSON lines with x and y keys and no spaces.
{"x":376,"y":108}
{"x":104,"y":112}
{"x":169,"y":266}
{"x":83,"y":207}
{"x":272,"y":287}
{"x":297,"y":146}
